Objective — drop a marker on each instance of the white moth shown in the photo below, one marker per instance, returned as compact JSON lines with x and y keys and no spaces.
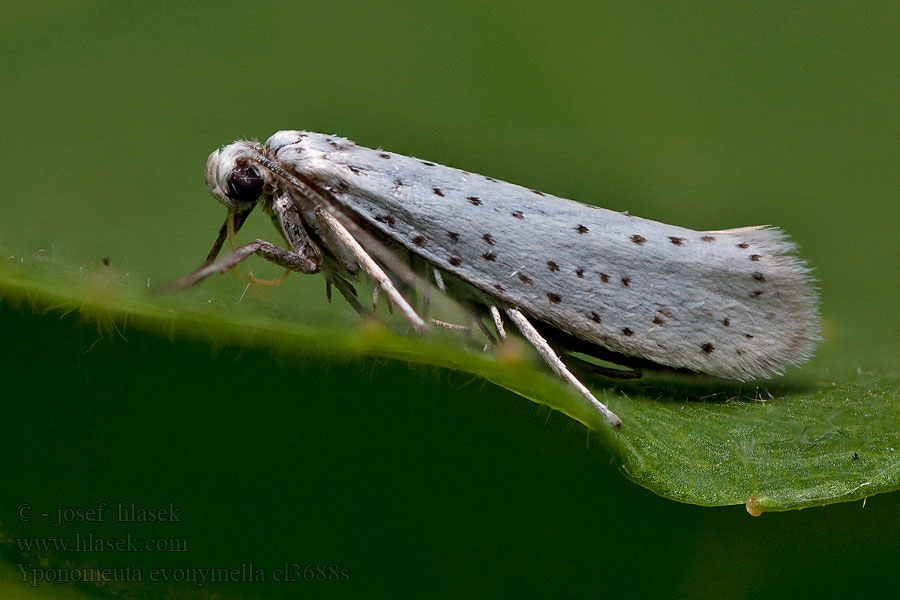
{"x":735,"y":303}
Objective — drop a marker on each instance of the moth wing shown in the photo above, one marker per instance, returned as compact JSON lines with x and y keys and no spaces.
{"x":734,"y":303}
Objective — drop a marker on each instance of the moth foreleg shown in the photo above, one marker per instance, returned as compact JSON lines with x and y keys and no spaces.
{"x":269,"y":251}
{"x":547,"y":353}
{"x":378,"y":276}
{"x":290,"y":221}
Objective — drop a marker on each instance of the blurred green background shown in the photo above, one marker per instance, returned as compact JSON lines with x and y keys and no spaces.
{"x":706,"y":115}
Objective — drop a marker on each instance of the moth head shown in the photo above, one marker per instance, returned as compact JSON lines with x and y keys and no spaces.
{"x":239,"y":182}
{"x":234,"y":178}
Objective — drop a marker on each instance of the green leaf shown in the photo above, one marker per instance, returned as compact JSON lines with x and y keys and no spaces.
{"x":803,"y":440}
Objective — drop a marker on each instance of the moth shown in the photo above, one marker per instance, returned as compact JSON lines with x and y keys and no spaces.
{"x":737,"y":303}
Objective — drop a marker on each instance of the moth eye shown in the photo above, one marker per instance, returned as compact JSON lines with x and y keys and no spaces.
{"x":245,"y":184}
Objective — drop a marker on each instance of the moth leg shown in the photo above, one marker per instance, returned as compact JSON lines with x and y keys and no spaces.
{"x":450,"y":326}
{"x":290,"y":221}
{"x":498,"y":322}
{"x":269,"y":251}
{"x":426,"y":297}
{"x":473,"y":319}
{"x":239,"y":218}
{"x":342,"y":284}
{"x":344,"y":256}
{"x":381,"y":279}
{"x":590,"y":368}
{"x":376,"y":293}
{"x":439,"y":281}
{"x":348,"y":292}
{"x":547,"y":353}
{"x":470,"y":312}
{"x":468,"y":329}
{"x":484,"y":329}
